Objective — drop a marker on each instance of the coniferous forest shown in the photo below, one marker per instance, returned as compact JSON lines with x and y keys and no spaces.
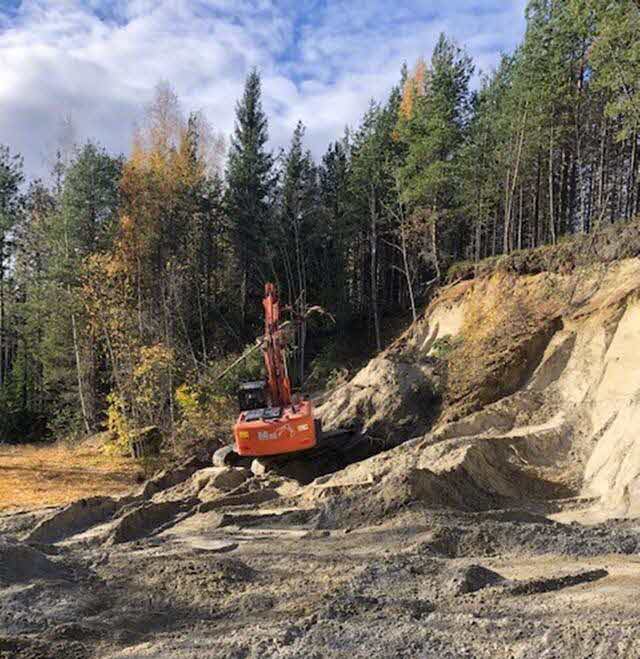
{"x":128,"y":283}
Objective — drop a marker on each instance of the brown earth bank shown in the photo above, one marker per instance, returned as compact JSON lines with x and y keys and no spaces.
{"x":497,"y":518}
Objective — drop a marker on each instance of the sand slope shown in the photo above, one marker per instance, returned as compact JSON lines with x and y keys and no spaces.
{"x":539,"y":401}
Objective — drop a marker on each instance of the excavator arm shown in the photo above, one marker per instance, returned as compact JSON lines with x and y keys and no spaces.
{"x":275,"y":341}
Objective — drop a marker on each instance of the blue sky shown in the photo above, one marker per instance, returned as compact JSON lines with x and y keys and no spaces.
{"x":321,"y":60}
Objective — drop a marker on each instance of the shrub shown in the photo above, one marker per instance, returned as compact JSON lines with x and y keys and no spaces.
{"x":118,"y":425}
{"x":202,"y":415}
{"x":326,"y":369}
{"x":445,"y":345}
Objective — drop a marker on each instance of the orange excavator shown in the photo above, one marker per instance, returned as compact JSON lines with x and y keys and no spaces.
{"x":272,"y":420}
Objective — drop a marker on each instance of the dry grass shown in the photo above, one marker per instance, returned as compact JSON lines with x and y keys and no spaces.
{"x":508,"y":320}
{"x":38,"y":476}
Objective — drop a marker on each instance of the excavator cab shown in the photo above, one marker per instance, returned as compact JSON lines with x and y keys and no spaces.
{"x":252,"y":395}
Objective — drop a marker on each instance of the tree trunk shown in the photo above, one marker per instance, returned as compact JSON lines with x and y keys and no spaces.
{"x":537,"y":233}
{"x":552,"y":223}
{"x":562,"y":201}
{"x":601,"y":177}
{"x":630,"y":211}
{"x":508,"y":243}
{"x":76,"y":351}
{"x":374,"y":269}
{"x":477,"y":238}
{"x":434,"y":245}
{"x":520,"y":218}
{"x":243,"y":292}
{"x":407,"y":273}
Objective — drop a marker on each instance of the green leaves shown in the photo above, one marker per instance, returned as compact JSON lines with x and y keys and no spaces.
{"x":615,"y":57}
{"x":251,"y":184}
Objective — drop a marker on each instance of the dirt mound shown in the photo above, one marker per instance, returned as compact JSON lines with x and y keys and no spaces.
{"x":72,"y":519}
{"x":14,"y":525}
{"x":20,"y":563}
{"x":170,"y":478}
{"x":556,"y":583}
{"x":147,"y":519}
{"x":394,"y":397}
{"x":471,"y":474}
{"x":471,"y":578}
{"x":174,"y":486}
{"x":464,"y":539}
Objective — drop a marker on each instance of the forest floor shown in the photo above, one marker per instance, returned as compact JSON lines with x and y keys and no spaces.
{"x":34,"y":476}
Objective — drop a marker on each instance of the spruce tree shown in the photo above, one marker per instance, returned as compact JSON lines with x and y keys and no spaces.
{"x":250,"y":185}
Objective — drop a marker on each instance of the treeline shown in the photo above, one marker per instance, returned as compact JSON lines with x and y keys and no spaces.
{"x":126,"y":282}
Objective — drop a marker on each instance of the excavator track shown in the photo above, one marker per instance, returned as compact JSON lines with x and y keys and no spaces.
{"x":333,"y":451}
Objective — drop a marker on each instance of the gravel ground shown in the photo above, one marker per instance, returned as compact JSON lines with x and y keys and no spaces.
{"x":420,"y":584}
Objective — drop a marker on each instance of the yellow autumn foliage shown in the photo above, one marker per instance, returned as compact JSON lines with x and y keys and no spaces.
{"x":414,"y":87}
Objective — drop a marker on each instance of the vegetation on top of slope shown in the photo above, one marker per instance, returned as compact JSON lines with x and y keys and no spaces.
{"x":505,"y":330}
{"x":613,"y":243}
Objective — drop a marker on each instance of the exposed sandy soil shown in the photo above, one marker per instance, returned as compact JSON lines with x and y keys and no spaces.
{"x":540,"y":395}
{"x":505,"y":526}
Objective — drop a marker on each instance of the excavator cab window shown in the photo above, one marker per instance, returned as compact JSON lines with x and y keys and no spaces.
{"x":252,"y":395}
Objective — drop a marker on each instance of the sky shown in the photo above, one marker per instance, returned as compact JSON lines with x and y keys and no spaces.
{"x":321,"y":61}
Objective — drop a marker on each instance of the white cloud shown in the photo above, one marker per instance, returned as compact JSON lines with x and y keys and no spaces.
{"x":99,"y":60}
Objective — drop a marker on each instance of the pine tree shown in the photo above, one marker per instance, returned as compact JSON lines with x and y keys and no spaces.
{"x":433,"y":127}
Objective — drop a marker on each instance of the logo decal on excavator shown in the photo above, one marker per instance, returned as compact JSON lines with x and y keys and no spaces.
{"x":265,"y":435}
